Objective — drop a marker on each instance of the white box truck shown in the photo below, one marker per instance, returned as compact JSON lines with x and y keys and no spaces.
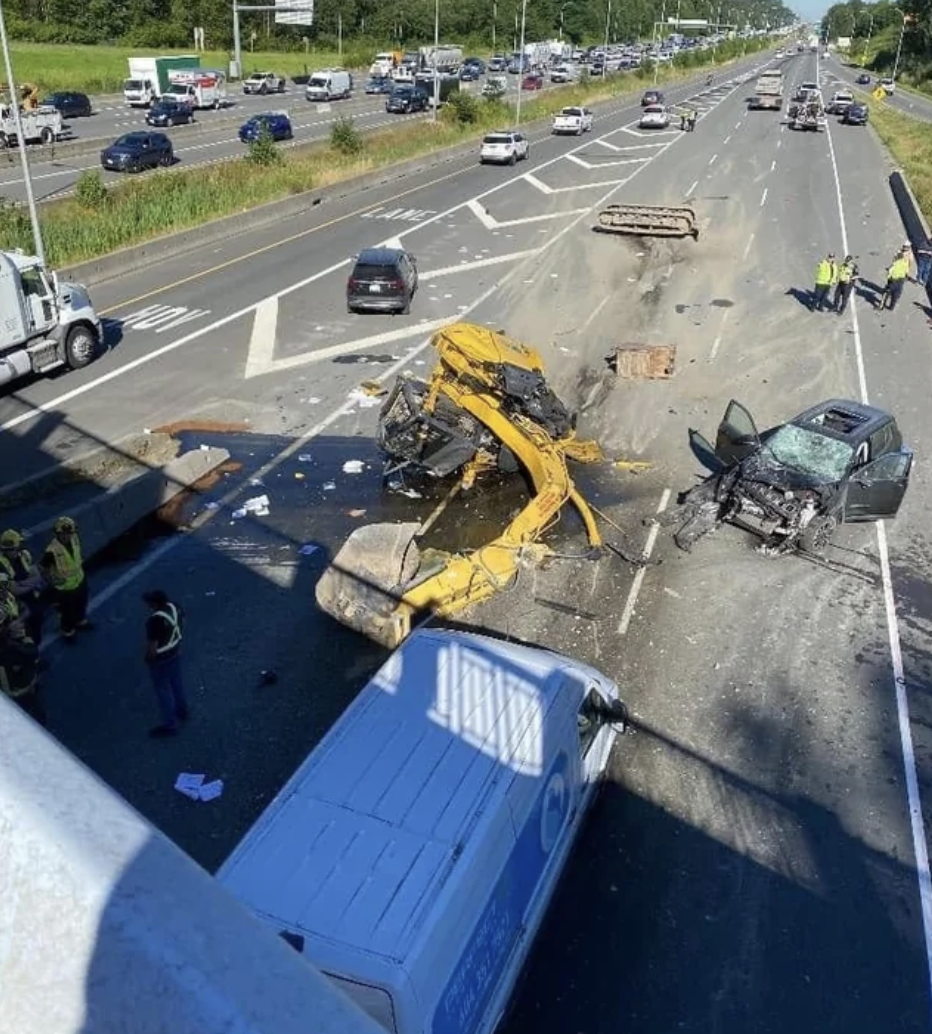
{"x":412,"y":856}
{"x":148,"y":77}
{"x":44,"y":323}
{"x":198,"y":88}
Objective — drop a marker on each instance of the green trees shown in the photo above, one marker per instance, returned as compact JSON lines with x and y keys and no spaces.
{"x":874,"y":29}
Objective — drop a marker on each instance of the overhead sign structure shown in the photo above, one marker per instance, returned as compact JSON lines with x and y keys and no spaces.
{"x":689,"y":23}
{"x":298,"y":12}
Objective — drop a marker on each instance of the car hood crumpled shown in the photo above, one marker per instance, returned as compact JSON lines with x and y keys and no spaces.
{"x":762,"y":468}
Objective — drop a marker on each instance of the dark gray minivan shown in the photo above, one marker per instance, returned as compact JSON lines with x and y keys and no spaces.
{"x":382,"y":280}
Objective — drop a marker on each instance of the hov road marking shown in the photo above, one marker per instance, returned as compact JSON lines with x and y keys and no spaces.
{"x":160,"y":318}
{"x":399,"y":215}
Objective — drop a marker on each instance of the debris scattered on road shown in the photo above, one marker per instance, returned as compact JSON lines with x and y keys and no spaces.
{"x":329,"y":486}
{"x":299,"y":476}
{"x":312,"y":401}
{"x":672,"y":592}
{"x":257,"y":482}
{"x":308,"y":549}
{"x":360,"y":398}
{"x":193,"y":786}
{"x":355,"y":513}
{"x":409,"y":492}
{"x":238,"y":513}
{"x":305,"y":457}
{"x":353,"y":467}
{"x":211,"y":506}
{"x":258,"y":505}
{"x":373,"y":388}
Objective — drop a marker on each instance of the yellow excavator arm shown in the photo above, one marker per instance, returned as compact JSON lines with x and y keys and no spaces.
{"x":379,"y":581}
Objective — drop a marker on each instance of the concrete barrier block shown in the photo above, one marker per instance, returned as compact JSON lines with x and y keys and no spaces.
{"x":113,"y":513}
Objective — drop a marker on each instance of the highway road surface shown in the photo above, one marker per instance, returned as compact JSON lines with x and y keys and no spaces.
{"x":212,"y":137}
{"x":757,"y":859}
{"x":837,"y":75}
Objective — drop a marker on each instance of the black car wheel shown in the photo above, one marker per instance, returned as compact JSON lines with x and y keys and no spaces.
{"x":166,"y":159}
{"x":47,"y":136}
{"x":264,"y":88}
{"x":817,"y":535}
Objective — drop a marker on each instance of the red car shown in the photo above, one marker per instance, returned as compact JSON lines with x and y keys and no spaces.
{"x":533,"y":82}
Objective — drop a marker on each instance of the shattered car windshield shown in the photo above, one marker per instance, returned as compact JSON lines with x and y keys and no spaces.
{"x":809,"y":452}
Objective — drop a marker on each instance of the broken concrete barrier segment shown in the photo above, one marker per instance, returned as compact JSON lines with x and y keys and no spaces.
{"x":112,"y":514}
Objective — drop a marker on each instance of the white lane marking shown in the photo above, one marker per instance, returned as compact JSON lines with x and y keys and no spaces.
{"x":491,"y":223}
{"x":401,"y":215}
{"x":718,"y":340}
{"x":54,"y":403}
{"x":160,"y":318}
{"x":779,"y":141}
{"x":595,"y":312}
{"x":392,"y":242}
{"x":712,"y":159}
{"x":635,"y":589}
{"x":747,"y":247}
{"x":763,"y":197}
{"x":727,"y":138}
{"x":592,"y":166}
{"x":773,"y":165}
{"x":913,"y":795}
{"x":689,"y":192}
{"x":262,"y":339}
{"x":468,"y":267}
{"x":738,"y":124}
{"x":537,"y":184}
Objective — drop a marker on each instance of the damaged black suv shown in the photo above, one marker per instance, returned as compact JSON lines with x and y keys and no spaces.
{"x":839,"y":462}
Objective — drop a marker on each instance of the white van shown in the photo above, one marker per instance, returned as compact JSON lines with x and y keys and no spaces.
{"x":328,"y":85}
{"x":412,"y":856}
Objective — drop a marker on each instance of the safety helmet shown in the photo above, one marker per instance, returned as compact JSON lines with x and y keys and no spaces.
{"x":10,"y":539}
{"x":65,"y":524}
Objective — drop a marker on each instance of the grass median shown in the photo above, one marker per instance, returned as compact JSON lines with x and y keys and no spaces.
{"x":909,"y":141}
{"x":98,"y":221}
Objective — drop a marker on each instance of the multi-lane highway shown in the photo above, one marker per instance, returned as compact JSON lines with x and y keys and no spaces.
{"x":756,"y":862}
{"x":837,"y":75}
{"x":211,"y":138}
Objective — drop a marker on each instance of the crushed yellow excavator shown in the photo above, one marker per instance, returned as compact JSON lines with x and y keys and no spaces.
{"x":28,"y":95}
{"x":486,"y":406}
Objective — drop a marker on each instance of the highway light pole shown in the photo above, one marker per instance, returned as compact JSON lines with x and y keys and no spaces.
{"x":899,"y":46}
{"x":433,"y":114}
{"x":870,"y":32}
{"x":521,"y":63}
{"x":21,"y":143}
{"x":608,"y":22}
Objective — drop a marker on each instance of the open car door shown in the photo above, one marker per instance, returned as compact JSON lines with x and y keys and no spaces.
{"x":876,"y":490}
{"x":737,"y":435}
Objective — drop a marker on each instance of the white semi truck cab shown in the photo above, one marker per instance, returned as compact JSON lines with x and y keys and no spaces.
{"x":44,"y":323}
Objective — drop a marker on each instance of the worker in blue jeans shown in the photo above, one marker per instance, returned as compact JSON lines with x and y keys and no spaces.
{"x":164,"y":632}
{"x":924,"y":263}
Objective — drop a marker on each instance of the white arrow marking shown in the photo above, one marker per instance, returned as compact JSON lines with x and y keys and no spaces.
{"x":261,"y":356}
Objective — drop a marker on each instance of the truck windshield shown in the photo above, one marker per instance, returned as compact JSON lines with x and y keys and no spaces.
{"x":318,"y":80}
{"x":133,"y":84}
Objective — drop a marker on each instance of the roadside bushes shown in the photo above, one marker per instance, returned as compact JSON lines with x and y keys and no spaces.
{"x":345,"y":138}
{"x":263,"y":152}
{"x":462,"y":109}
{"x":89,"y":191}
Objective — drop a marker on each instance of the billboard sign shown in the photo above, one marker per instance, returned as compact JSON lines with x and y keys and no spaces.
{"x":294,"y":12}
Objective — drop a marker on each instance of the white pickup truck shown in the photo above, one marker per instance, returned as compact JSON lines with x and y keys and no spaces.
{"x":572,"y":120}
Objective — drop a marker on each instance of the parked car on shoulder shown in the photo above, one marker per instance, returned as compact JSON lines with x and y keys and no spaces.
{"x":504,"y":147}
{"x":134,"y":152}
{"x":379,"y":84}
{"x":169,"y":113}
{"x":651,"y":98}
{"x":855,"y":115}
{"x":863,"y":79}
{"x":655,"y":116}
{"x":264,"y":82}
{"x":382,"y":280}
{"x":69,"y":104}
{"x":406,"y":100}
{"x":888,"y":86}
{"x":276,"y":123}
{"x":840,"y":102}
{"x":534,"y":81}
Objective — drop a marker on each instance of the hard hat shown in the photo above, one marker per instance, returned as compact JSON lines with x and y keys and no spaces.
{"x":65,"y":524}
{"x":10,"y":539}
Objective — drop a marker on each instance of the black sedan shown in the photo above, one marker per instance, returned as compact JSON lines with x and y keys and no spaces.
{"x":856,"y":115}
{"x":134,"y":152}
{"x":863,"y":79}
{"x":169,"y":114}
{"x":379,"y":84}
{"x":69,"y":104}
{"x":405,"y":100}
{"x":840,"y":462}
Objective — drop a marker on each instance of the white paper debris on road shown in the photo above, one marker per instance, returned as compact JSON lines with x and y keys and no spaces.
{"x":258,"y":505}
{"x":238,"y":513}
{"x":211,"y":506}
{"x":361,"y":399}
{"x":211,"y":791}
{"x":410,"y":493}
{"x":308,"y":549}
{"x":329,"y":486}
{"x":304,"y":457}
{"x":189,"y":784}
{"x":353,"y":467}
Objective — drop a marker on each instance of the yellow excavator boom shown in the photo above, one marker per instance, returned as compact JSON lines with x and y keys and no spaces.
{"x":378,"y":584}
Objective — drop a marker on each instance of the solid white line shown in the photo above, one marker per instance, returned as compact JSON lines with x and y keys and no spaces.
{"x":763,"y":198}
{"x":913,"y":796}
{"x":595,"y":312}
{"x":747,"y":247}
{"x":467,"y":267}
{"x":262,"y":340}
{"x":635,"y":589}
{"x":689,"y":192}
{"x":712,"y":159}
{"x":537,"y":184}
{"x":717,"y":342}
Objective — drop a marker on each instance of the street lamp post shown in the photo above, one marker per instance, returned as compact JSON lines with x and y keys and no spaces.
{"x":521,"y":64}
{"x":899,"y":46}
{"x":663,"y":21}
{"x":494,"y":22}
{"x":608,"y":22}
{"x":21,"y":143}
{"x":870,"y":32}
{"x":436,"y":105}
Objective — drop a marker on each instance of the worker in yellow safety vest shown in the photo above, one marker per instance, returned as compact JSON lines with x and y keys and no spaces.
{"x":897,"y":273}
{"x":19,"y":670}
{"x":826,"y":275}
{"x":29,"y":586}
{"x":63,"y":568}
{"x":164,"y":632}
{"x":847,"y":278}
